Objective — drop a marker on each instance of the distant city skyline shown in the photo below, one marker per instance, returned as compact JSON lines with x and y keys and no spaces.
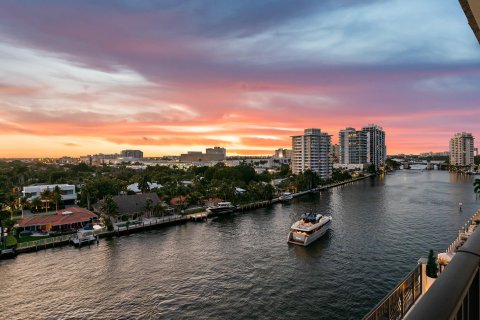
{"x":167,"y":77}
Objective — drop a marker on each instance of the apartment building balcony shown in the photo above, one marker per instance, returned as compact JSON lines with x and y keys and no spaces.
{"x":456,"y":293}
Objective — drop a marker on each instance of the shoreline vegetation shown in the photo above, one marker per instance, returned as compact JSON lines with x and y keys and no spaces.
{"x":156,"y":223}
{"x":183,"y":193}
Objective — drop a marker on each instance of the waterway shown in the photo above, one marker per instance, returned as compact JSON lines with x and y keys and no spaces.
{"x":240,"y":266}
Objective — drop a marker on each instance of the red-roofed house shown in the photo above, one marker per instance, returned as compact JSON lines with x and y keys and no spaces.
{"x":63,"y":220}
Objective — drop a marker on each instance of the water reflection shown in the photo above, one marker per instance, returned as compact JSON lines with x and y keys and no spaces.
{"x":315,"y":249}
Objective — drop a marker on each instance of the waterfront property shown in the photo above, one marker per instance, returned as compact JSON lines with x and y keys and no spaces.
{"x":461,"y":149}
{"x":134,"y":206}
{"x":376,"y":148}
{"x":311,"y":151}
{"x":137,"y":205}
{"x":352,"y":147}
{"x":68,"y":219}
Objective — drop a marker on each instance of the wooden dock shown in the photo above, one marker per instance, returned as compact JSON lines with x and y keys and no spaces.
{"x":254,"y":205}
{"x":195,"y":217}
{"x":44,"y":243}
{"x":149,"y":224}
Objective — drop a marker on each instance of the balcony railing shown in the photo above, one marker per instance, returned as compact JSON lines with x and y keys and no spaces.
{"x":456,"y":294}
{"x":399,"y":301}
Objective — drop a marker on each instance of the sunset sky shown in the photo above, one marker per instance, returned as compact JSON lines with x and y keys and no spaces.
{"x":84,"y":77}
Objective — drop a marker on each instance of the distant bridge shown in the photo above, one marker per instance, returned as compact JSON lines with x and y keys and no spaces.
{"x":429,"y":165}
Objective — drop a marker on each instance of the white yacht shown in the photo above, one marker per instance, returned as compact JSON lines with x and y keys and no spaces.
{"x":221,"y":207}
{"x":309,"y":228}
{"x":285,"y":197}
{"x":87,"y":235}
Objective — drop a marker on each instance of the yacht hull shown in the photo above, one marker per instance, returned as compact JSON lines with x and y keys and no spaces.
{"x":220,"y":210}
{"x":303,"y":240}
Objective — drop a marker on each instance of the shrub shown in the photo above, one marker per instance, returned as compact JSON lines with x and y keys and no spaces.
{"x":11,"y":241}
{"x":432,"y":267}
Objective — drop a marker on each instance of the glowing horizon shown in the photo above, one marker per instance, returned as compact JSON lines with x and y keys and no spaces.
{"x":167,"y":77}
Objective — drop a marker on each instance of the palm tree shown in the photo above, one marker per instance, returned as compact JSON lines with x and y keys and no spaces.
{"x":109,"y":210}
{"x":432,"y":266}
{"x":4,"y":215}
{"x":46,"y":197}
{"x":56,"y":196}
{"x":476,"y":184}
{"x":36,"y":202}
{"x":159,"y":208}
{"x":88,"y":191}
{"x":195,"y":197}
{"x":23,"y":202}
{"x":148,"y":207}
{"x":144,"y":184}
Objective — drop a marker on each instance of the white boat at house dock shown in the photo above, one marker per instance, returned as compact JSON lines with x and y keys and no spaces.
{"x":87,"y":236}
{"x":285,"y":197}
{"x":221,"y":208}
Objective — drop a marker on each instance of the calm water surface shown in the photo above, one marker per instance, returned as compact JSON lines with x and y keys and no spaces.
{"x":241,"y":267}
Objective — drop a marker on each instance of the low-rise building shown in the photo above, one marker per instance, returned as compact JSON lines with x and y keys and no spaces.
{"x":134,"y":187}
{"x":67,"y":190}
{"x":211,"y":154}
{"x":136,"y":205}
{"x":283,"y":153}
{"x":68,"y":219}
{"x":132,"y":154}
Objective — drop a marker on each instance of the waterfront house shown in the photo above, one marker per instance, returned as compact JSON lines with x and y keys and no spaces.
{"x":34,"y":191}
{"x":137,"y":205}
{"x":68,"y":219}
{"x":134,"y":187}
{"x":180,"y":202}
{"x":211,"y":202}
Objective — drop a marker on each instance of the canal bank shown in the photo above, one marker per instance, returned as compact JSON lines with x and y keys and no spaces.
{"x":53,"y":242}
{"x":155,"y":223}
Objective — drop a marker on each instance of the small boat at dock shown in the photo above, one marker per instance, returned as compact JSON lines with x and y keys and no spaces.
{"x":221,"y":208}
{"x":285,"y":197}
{"x":87,"y":235}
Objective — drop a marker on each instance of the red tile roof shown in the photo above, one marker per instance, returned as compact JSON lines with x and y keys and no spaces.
{"x":59,"y":218}
{"x":178,"y":200}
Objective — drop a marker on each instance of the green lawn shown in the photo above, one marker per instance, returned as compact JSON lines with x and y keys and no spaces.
{"x":29,"y":238}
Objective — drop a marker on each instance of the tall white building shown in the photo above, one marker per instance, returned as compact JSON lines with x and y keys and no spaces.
{"x":312,"y":151}
{"x":353,"y":146}
{"x":461,"y":149}
{"x":376,"y":148}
